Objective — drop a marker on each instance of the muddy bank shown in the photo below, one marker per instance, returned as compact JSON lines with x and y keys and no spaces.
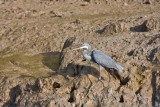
{"x":37,"y":69}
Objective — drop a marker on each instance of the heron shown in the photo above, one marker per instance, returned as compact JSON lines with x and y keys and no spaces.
{"x":103,"y":60}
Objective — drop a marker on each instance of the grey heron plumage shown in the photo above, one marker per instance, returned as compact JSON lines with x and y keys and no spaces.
{"x":100,"y":58}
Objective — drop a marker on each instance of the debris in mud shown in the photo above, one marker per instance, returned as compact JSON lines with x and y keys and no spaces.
{"x":130,"y":53}
{"x":55,"y":14}
{"x":121,"y":99}
{"x":147,"y":2}
{"x":32,"y":34}
{"x":72,"y":94}
{"x":56,"y":85}
{"x":154,"y":55}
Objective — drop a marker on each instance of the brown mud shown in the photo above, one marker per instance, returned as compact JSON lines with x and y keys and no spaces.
{"x":32,"y":35}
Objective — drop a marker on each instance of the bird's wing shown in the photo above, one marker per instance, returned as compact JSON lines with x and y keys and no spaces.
{"x":103,"y":59}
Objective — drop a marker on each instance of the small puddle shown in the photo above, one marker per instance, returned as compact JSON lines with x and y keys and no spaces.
{"x":21,"y":65}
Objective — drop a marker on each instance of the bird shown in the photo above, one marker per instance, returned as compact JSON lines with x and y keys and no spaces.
{"x":103,"y":60}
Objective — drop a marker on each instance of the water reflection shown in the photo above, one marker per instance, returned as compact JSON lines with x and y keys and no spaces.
{"x":51,"y":60}
{"x":21,"y":65}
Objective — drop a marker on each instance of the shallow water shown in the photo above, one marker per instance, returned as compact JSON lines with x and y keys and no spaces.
{"x":21,"y":65}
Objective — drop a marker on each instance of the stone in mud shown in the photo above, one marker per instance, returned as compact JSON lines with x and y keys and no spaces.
{"x":140,"y":28}
{"x":69,"y":59}
{"x":113,"y":28}
{"x":152,"y":23}
{"x":154,"y":55}
{"x":66,"y":47}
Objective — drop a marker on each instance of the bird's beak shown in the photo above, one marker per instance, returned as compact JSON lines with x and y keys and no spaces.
{"x":77,"y":48}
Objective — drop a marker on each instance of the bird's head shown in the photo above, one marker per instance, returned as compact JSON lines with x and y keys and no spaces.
{"x":84,"y":46}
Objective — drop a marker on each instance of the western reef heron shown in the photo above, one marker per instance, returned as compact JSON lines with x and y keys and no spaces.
{"x":100,"y":58}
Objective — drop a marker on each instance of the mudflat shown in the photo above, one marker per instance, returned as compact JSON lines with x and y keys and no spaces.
{"x":32,"y":37}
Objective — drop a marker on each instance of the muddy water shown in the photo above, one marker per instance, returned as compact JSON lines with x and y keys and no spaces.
{"x":21,"y":65}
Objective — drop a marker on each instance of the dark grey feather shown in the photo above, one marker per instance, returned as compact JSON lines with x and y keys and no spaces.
{"x":105,"y":60}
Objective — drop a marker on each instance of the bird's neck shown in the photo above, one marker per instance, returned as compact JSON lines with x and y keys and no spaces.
{"x":86,"y":55}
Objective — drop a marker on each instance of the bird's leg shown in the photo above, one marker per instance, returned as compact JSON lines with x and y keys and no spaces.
{"x":100,"y":68}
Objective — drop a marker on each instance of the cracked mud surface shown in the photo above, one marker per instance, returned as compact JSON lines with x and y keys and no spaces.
{"x":32,"y":36}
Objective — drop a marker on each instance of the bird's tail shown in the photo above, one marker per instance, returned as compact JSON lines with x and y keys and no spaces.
{"x":119,"y":68}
